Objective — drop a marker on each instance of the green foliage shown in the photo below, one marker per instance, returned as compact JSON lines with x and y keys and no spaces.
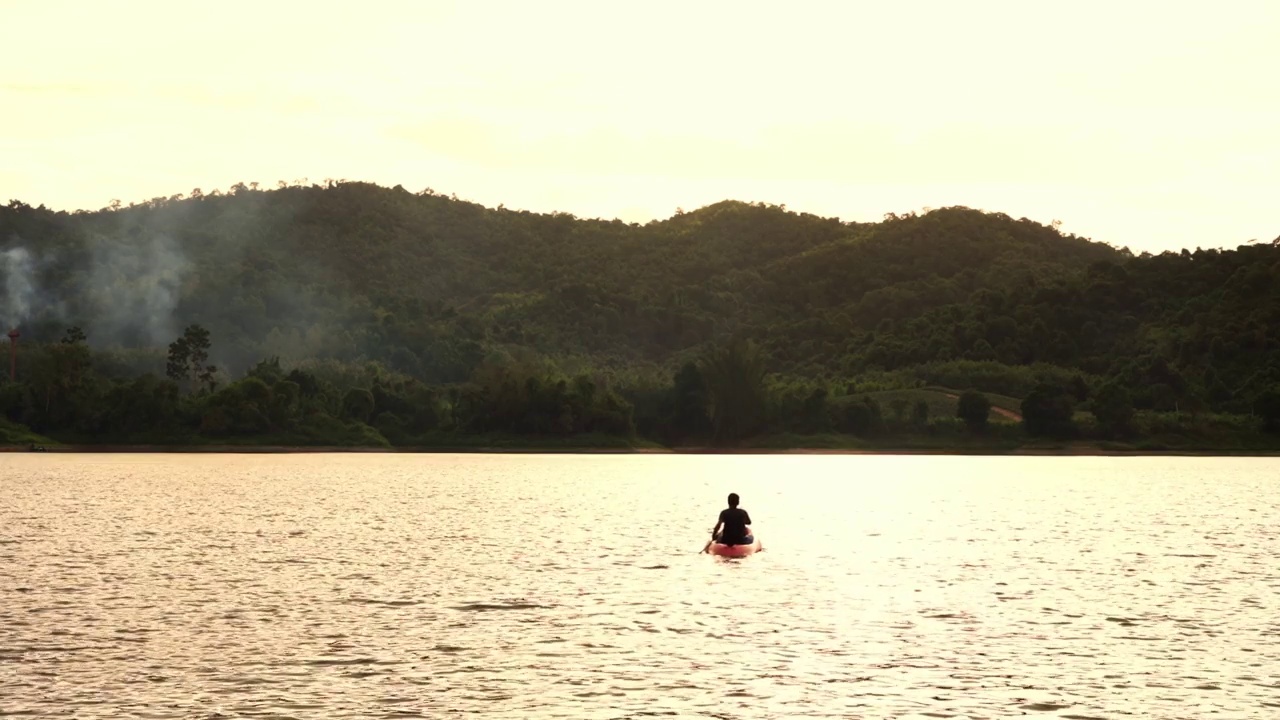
{"x":1113,"y":409}
{"x":142,"y":405}
{"x":859,"y":416}
{"x":189,"y":357}
{"x":993,"y":378}
{"x":1268,"y":408}
{"x":920,"y":414}
{"x":735,"y":378}
{"x":913,"y":405}
{"x":1049,"y":411}
{"x":974,"y":408}
{"x":518,"y":398}
{"x":13,"y":434}
{"x":688,"y":418}
{"x":357,"y":405}
{"x":269,"y":370}
{"x":404,"y":316}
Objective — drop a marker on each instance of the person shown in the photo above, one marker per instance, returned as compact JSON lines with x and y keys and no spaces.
{"x":735,"y":523}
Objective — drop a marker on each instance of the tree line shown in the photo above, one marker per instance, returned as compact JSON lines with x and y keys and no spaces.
{"x":725,"y":397}
{"x":516,"y":314}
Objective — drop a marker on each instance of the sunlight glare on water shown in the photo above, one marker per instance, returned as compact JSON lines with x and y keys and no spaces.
{"x":543,"y":586}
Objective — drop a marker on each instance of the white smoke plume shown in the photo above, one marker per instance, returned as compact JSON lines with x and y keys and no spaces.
{"x":123,"y":290}
{"x":134,"y":287}
{"x":17,"y":267}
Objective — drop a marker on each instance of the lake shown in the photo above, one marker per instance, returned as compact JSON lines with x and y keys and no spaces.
{"x":571,"y":586}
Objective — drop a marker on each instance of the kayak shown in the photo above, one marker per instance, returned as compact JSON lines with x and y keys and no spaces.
{"x":734,"y":551}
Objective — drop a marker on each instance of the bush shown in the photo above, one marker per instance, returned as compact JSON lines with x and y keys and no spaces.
{"x":1267,"y":406}
{"x":974,"y":409}
{"x":1113,"y":408}
{"x":1048,"y":412}
{"x":857,"y":416}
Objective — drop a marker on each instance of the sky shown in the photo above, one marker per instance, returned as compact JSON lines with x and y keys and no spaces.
{"x":1151,"y":125}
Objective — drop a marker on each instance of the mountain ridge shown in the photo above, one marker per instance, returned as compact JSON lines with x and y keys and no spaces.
{"x":430,"y":285}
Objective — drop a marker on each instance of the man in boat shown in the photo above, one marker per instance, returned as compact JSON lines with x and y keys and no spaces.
{"x":735,"y":523}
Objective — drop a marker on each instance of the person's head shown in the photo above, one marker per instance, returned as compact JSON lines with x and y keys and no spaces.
{"x":733,"y":499}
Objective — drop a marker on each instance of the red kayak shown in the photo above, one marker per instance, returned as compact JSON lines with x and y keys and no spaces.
{"x":734,"y":551}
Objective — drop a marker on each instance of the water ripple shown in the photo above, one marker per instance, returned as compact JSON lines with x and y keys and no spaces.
{"x":400,"y":586}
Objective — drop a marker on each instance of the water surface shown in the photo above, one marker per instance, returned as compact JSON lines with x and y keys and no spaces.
{"x":537,"y":586}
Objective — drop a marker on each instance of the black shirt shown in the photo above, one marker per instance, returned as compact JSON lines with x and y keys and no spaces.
{"x":735,"y":522}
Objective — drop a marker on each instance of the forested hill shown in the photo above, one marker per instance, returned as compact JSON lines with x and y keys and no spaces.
{"x":431,"y":286}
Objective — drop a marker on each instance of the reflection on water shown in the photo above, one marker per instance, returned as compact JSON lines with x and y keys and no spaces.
{"x":328,"y":586}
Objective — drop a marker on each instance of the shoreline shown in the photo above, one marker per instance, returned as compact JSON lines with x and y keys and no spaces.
{"x":1066,"y":451}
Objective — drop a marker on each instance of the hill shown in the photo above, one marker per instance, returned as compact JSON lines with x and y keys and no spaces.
{"x":446,"y":294}
{"x":427,"y":284}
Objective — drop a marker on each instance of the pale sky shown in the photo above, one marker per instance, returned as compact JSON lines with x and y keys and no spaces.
{"x":1153,"y":125}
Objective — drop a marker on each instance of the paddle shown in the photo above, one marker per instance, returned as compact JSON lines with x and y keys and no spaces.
{"x":708,"y":545}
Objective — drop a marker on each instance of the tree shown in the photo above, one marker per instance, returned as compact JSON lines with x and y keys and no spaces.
{"x":735,"y":373}
{"x":1047,"y":411}
{"x":1113,"y":409}
{"x":59,"y":384}
{"x":284,"y":403}
{"x":982,"y":350}
{"x":72,"y":358}
{"x":357,"y":404}
{"x":814,"y":416}
{"x":73,"y":336}
{"x":898,"y":407}
{"x":974,"y":409}
{"x":143,"y":405}
{"x":858,"y":416}
{"x":1267,"y":405}
{"x":178,"y":368}
{"x":1079,"y":388}
{"x":1163,"y":397}
{"x":920,"y":414}
{"x":307,"y":384}
{"x":689,"y":403}
{"x":268,"y":370}
{"x":188,"y":358}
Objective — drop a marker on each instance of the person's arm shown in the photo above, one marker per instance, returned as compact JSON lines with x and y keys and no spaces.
{"x":719,"y":522}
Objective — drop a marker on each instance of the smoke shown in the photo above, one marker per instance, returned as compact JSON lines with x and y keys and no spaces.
{"x":134,"y":287}
{"x":18,"y":269}
{"x":121,"y":291}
